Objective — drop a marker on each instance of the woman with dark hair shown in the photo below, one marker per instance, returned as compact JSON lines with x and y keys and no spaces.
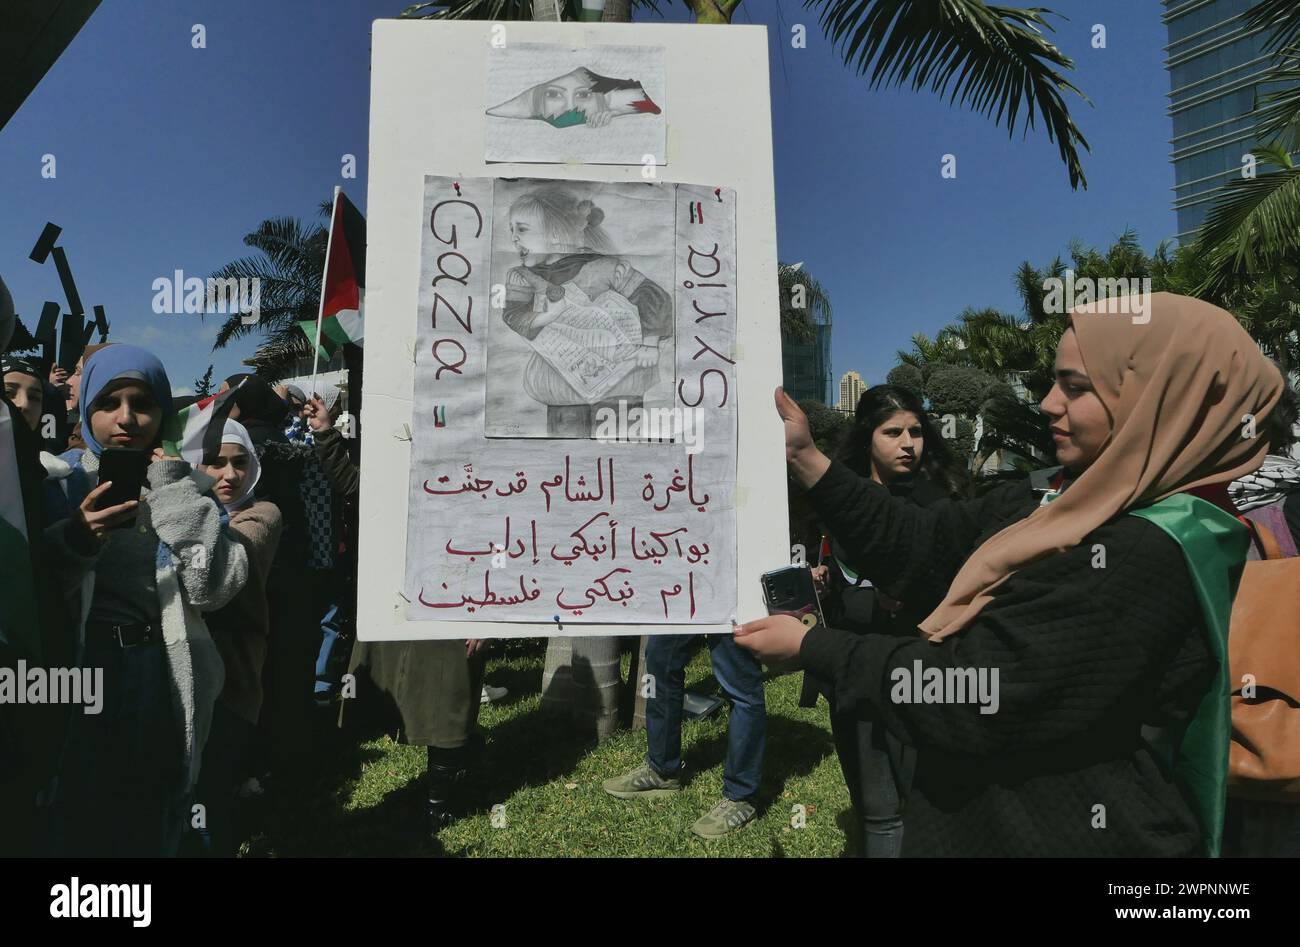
{"x":1070,"y":695}
{"x":876,"y":447}
{"x":891,"y":443}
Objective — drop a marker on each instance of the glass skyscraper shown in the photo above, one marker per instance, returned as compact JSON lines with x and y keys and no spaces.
{"x":806,"y":366}
{"x":1214,"y":64}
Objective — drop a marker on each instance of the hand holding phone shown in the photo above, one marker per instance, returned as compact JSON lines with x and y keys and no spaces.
{"x":124,"y":470}
{"x":791,"y":591}
{"x":97,"y":520}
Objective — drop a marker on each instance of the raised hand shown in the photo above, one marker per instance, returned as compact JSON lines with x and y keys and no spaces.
{"x":98,"y":522}
{"x":806,"y":462}
{"x":317,"y":415}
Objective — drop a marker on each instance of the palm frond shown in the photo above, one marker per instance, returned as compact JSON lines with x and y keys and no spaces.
{"x":1254,"y":224}
{"x":469,"y":10}
{"x":798,"y":323}
{"x":1280,"y":17}
{"x":275,"y":358}
{"x":1277,"y":113}
{"x":992,"y":59}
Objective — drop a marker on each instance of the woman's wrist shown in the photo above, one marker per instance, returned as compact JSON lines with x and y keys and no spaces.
{"x":807,"y":465}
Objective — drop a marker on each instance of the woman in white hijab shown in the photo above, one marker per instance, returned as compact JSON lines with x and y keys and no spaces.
{"x":240,"y":631}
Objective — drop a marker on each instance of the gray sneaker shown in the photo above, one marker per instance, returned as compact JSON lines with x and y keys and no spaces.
{"x":642,"y":783}
{"x":726,"y":817}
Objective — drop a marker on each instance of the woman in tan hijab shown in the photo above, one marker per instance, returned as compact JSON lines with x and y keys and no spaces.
{"x":1067,"y":696}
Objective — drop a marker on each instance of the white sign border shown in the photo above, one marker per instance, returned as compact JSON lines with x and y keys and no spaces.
{"x":724,"y":140}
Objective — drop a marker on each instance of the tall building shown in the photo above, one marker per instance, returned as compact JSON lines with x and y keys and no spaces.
{"x":851,"y":388}
{"x":1214,"y":64}
{"x":806,"y":366}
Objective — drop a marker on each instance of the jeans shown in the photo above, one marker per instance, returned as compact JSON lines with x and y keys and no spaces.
{"x":869,"y":772}
{"x":741,"y":677}
{"x":121,"y":779}
{"x":329,"y":628}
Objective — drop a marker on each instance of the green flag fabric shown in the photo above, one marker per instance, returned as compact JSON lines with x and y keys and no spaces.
{"x":1214,"y":544}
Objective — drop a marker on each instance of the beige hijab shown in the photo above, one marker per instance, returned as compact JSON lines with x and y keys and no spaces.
{"x":1181,"y":389}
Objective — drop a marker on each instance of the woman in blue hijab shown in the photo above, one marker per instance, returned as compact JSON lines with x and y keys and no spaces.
{"x":130,"y":767}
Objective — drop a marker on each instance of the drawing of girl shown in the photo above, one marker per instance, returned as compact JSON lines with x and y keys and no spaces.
{"x":580,"y":97}
{"x":562,"y":247}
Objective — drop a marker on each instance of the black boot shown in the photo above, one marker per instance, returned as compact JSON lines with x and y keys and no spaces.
{"x":447,"y":771}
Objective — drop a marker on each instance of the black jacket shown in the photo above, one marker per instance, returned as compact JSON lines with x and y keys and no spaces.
{"x":856,"y":609}
{"x":1086,"y":658}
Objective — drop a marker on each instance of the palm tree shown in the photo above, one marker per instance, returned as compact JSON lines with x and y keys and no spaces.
{"x":289,"y":265}
{"x":992,"y":59}
{"x":1254,"y":226}
{"x":803,"y":302}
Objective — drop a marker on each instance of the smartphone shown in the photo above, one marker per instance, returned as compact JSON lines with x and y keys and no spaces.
{"x":790,"y":591}
{"x":127,"y":468}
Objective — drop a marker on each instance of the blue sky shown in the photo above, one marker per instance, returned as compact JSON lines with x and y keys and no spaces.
{"x":167,"y":155}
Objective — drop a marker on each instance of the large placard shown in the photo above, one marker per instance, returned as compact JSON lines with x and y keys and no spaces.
{"x":507,"y":479}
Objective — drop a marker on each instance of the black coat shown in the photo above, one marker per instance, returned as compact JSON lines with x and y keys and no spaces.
{"x":856,"y":609}
{"x":1097,"y":667}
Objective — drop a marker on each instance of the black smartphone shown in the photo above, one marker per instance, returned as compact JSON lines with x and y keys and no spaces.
{"x":126,"y":467}
{"x":790,"y":591}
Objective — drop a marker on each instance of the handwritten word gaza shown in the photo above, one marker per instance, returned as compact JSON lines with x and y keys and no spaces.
{"x":449,"y":352}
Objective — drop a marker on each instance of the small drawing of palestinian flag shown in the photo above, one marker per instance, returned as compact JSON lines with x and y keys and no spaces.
{"x":194,"y":433}
{"x":18,"y":616}
{"x":344,"y":287}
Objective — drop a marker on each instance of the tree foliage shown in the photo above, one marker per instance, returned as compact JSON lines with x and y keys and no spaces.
{"x":203,"y":386}
{"x":290,"y":263}
{"x":828,"y":426}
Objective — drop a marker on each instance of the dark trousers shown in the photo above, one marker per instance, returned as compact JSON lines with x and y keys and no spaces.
{"x":120,"y":790}
{"x":223,"y":768}
{"x":297,"y":599}
{"x":741,"y":677}
{"x":869,"y":773}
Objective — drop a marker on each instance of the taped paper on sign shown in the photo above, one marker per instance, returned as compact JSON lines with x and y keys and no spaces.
{"x":598,"y":504}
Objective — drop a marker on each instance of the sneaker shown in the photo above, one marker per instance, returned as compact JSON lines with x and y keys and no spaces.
{"x":491,"y":694}
{"x":724,"y":818}
{"x":642,"y":783}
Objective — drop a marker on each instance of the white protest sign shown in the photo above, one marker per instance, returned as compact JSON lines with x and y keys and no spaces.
{"x":571,"y":428}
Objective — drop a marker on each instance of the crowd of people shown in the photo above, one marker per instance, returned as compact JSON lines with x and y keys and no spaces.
{"x":212,"y":603}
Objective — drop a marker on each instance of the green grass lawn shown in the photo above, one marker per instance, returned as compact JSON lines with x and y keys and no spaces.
{"x":368,"y":800}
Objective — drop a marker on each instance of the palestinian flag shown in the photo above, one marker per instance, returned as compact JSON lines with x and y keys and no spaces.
{"x":343,"y":292}
{"x":194,"y":433}
{"x":18,"y":616}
